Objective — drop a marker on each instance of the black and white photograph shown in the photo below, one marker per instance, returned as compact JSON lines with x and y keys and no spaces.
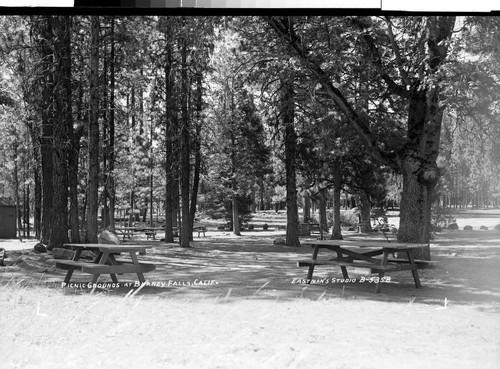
{"x":290,"y":188}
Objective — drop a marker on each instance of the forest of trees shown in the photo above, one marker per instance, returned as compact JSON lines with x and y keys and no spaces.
{"x":167,"y":117}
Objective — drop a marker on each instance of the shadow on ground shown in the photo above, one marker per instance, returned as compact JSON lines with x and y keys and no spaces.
{"x":251,"y":267}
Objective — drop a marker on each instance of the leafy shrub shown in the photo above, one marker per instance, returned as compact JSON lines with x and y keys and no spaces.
{"x":348,"y":218}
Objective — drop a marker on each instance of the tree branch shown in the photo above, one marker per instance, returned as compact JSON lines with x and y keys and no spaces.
{"x":395,"y":48}
{"x":377,"y":60}
{"x":285,"y":30}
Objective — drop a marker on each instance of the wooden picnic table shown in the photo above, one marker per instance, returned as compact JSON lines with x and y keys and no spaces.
{"x":126,"y":231}
{"x":200,"y":230}
{"x":151,"y":231}
{"x":105,"y":261}
{"x":363,"y":254}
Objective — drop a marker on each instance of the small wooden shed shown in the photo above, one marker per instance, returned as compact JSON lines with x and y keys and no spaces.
{"x":7,"y":219}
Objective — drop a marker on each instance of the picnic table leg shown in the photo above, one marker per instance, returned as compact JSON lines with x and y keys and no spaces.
{"x":95,"y":278}
{"x":414,"y":268}
{"x":311,"y":267}
{"x":378,"y":286}
{"x":343,"y":268}
{"x":101,"y":259}
{"x":69,"y":274}
{"x":133,"y":256}
{"x":113,"y":262}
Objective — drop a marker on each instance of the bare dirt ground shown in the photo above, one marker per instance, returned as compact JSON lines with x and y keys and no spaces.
{"x":235,"y":302}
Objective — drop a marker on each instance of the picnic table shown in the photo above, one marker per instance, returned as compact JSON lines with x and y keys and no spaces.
{"x":200,"y":230}
{"x":106,"y":261}
{"x":126,"y":231}
{"x":151,"y":231}
{"x":363,"y":254}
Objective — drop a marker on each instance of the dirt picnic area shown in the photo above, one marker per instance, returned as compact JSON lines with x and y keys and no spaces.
{"x":241,"y":302}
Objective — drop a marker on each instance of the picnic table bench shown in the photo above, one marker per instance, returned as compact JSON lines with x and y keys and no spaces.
{"x":106,"y":262}
{"x":315,"y":227}
{"x":200,"y":230}
{"x":362,"y":254}
{"x":152,"y":231}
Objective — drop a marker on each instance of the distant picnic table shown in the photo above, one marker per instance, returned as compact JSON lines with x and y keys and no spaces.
{"x":106,"y":261}
{"x":126,"y":232}
{"x":362,"y":254}
{"x":151,"y":231}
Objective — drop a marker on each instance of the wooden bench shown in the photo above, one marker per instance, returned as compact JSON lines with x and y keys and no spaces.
{"x":150,"y":234}
{"x":422,"y":264}
{"x":373,"y":268}
{"x":315,"y":227}
{"x":200,"y":230}
{"x":91,"y":268}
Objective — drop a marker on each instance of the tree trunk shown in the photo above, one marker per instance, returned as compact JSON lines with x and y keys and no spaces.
{"x":16,"y":190}
{"x":365,"y":211}
{"x":323,"y":222}
{"x":292,"y":212}
{"x":46,"y":139}
{"x":62,"y":119}
{"x":337,"y":187}
{"x":26,"y":210}
{"x":105,"y":139}
{"x":262,"y":189}
{"x":419,"y":169}
{"x":414,"y":209}
{"x":185,"y":150}
{"x":74,"y":222}
{"x":37,"y":208}
{"x":170,"y":133}
{"x":307,"y":207}
{"x":93,"y":177}
{"x":197,"y":154}
{"x":235,"y":211}
{"x":111,"y":144}
{"x":47,"y":179}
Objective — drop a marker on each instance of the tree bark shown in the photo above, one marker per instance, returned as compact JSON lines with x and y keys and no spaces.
{"x":307,"y":207}
{"x":197,"y":153}
{"x":62,"y":119}
{"x":323,"y":222}
{"x":34,"y":131}
{"x":111,"y":144}
{"x":46,"y":140}
{"x":419,"y":169}
{"x":292,"y":212}
{"x":337,"y":188}
{"x":365,"y":210}
{"x":235,"y":210}
{"x":170,"y":133}
{"x":185,"y":149}
{"x":93,"y":176}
